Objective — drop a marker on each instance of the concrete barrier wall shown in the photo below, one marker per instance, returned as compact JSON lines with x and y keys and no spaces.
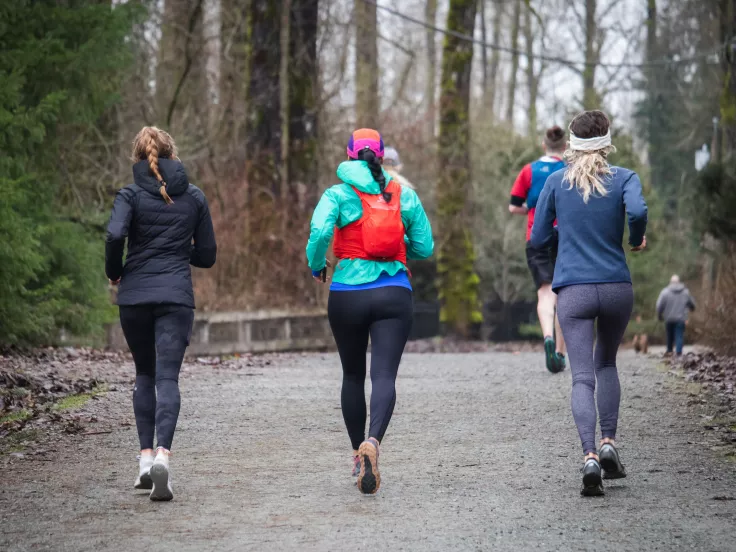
{"x":222,"y":333}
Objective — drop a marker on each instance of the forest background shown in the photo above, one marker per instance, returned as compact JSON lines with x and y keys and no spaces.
{"x":262,"y":95}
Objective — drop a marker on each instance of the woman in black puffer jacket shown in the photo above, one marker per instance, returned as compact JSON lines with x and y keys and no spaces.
{"x":168,"y":226}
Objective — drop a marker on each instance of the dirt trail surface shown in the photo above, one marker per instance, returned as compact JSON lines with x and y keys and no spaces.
{"x":482,"y":454}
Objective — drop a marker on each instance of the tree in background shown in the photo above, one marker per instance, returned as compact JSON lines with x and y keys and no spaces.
{"x":430,"y":17}
{"x":61,"y":73}
{"x":367,"y":100}
{"x":515,"y":26}
{"x":533,"y":74}
{"x":458,"y":282}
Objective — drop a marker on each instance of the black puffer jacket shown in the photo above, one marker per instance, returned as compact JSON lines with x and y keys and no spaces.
{"x":163,"y":240}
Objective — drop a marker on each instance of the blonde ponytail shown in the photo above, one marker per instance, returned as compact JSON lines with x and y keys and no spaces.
{"x":150,"y":144}
{"x":588,"y":170}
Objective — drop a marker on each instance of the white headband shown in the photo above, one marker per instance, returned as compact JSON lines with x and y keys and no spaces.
{"x":590,"y":144}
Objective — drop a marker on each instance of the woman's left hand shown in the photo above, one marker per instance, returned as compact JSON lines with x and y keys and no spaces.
{"x":641,"y":247}
{"x":114,"y":282}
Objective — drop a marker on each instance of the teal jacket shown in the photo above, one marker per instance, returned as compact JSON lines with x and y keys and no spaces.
{"x":340,"y":205}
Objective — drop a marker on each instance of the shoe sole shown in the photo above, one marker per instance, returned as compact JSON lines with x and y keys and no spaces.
{"x":550,"y":357}
{"x":144,"y":482}
{"x":592,"y":485}
{"x":562,"y":363}
{"x":160,"y":479}
{"x":612,"y":467}
{"x":369,"y":479}
{"x":596,"y":490}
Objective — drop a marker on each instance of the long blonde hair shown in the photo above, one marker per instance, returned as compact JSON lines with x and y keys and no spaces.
{"x":588,"y":170}
{"x":150,"y":144}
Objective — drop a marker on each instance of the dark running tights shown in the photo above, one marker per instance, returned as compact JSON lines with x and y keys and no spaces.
{"x":384,"y":314}
{"x":158,"y":336}
{"x":593,"y":358}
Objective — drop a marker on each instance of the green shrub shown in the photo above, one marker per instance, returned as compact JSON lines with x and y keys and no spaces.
{"x":61,"y":67}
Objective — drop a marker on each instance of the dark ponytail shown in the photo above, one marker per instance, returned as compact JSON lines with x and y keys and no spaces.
{"x":374,"y":165}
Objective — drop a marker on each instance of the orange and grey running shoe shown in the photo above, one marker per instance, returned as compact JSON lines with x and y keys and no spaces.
{"x":356,"y":467}
{"x":369,"y":479}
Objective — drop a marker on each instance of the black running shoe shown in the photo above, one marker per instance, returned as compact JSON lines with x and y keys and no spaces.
{"x":550,"y":356}
{"x":592,"y":480}
{"x":611,"y":463}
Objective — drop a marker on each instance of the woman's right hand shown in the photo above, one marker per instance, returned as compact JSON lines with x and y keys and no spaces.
{"x":641,"y":247}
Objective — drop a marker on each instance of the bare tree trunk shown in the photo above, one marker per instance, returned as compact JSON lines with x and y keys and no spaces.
{"x":484,"y":48}
{"x":212,"y":28}
{"x":458,"y":283}
{"x":233,"y":79}
{"x":590,"y":96}
{"x":284,"y":41}
{"x":367,"y":101}
{"x":514,"y":62}
{"x":728,"y":97}
{"x":180,"y":25}
{"x":430,"y":17}
{"x":303,"y":98}
{"x":263,"y":108}
{"x":531,"y":78}
{"x":653,"y":133}
{"x":490,"y":92}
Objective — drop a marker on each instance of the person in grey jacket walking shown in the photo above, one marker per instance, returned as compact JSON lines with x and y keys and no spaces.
{"x":673,"y":306}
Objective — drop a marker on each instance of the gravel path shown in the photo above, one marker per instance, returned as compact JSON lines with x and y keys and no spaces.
{"x":482,"y":454}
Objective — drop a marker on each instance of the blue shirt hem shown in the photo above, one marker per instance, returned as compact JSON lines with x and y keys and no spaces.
{"x":400,"y":279}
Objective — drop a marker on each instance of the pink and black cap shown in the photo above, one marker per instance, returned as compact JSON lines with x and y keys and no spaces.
{"x":365,"y":138}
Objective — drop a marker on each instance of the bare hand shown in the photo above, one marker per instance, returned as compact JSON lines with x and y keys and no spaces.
{"x":641,"y":247}
{"x":114,"y":282}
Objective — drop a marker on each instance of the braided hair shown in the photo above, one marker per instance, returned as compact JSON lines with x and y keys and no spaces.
{"x":367,"y":155}
{"x":150,"y":144}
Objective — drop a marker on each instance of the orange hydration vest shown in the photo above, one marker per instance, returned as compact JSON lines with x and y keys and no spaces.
{"x":379,"y":234}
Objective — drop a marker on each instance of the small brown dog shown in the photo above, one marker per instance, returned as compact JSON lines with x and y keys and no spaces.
{"x":641,"y":343}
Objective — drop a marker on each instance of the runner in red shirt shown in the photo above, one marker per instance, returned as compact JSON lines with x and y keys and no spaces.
{"x":541,"y":262}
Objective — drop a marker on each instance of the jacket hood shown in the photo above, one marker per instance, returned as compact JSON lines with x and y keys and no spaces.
{"x":357,"y":173}
{"x":172,"y":172}
{"x":676,"y":288}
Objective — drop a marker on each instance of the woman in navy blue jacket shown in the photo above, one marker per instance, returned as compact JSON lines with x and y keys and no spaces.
{"x":590,"y":200}
{"x":168,"y":227}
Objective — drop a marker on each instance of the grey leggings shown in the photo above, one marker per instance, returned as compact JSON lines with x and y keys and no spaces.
{"x":579,"y":307}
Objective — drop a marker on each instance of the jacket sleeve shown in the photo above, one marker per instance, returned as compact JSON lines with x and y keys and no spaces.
{"x":418,"y":238}
{"x":203,"y":251}
{"x":321,"y":229}
{"x":690,"y":301}
{"x":543,"y":231}
{"x":521,"y":187}
{"x":636,"y":210}
{"x":117,"y":232}
{"x":661,"y":303}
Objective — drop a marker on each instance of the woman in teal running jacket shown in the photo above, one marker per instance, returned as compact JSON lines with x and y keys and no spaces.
{"x":368,"y":297}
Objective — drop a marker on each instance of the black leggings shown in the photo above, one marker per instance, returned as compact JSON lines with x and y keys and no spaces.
{"x":158,"y":336}
{"x":385,"y":314}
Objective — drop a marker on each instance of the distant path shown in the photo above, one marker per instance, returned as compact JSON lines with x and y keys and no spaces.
{"x":261,"y":463}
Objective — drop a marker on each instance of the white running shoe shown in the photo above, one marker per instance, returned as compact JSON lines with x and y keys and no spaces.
{"x":143,"y":481}
{"x":161,"y":477}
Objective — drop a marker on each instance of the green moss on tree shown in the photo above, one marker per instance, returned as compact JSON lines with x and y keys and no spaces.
{"x":458,"y":282}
